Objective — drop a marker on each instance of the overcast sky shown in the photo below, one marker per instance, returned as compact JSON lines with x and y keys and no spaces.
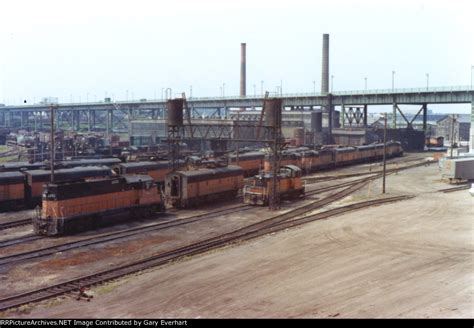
{"x":88,"y":49}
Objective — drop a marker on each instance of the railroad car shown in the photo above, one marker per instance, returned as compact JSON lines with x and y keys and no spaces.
{"x":88,"y":162}
{"x":69,"y":207}
{"x":365,"y":153}
{"x":157,"y":170}
{"x":289,"y":186}
{"x":312,"y":160}
{"x":394,"y":149}
{"x":287,"y":158}
{"x":20,"y":166}
{"x":250,"y":162}
{"x":188,"y":188}
{"x":35,"y":179}
{"x":12,"y":190}
{"x":344,"y":155}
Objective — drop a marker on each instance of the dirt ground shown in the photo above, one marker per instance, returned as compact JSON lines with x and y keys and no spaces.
{"x":406,"y":259}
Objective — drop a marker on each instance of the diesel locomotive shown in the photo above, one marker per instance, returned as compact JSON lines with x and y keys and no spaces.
{"x":70,"y":207}
{"x":289,"y":185}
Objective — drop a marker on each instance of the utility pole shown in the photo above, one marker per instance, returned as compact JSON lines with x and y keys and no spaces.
{"x":52,"y":143}
{"x":453,"y":120}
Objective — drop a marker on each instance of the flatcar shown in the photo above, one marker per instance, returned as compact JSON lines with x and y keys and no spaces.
{"x":69,"y":207}
{"x":258,"y":191}
{"x":157,"y":170}
{"x":188,"y":188}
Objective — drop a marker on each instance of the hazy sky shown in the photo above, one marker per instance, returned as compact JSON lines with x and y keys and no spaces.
{"x":63,"y":48}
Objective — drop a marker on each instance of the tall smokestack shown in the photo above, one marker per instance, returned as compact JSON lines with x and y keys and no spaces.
{"x":243,"y":62}
{"x":325,"y":69}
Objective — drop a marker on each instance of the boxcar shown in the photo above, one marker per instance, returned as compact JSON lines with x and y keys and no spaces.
{"x":189,"y":188}
{"x":69,"y":207}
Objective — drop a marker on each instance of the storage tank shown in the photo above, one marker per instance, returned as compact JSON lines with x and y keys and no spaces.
{"x":175,"y":112}
{"x":273,"y":112}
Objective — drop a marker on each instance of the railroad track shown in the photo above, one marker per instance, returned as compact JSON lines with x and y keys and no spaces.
{"x":447,"y":190}
{"x":14,"y":224}
{"x":50,"y":250}
{"x":176,"y":254}
{"x":20,"y":240}
{"x":352,"y":175}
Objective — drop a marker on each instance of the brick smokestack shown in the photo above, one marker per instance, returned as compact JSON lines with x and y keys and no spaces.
{"x":243,"y":61}
{"x":325,"y":68}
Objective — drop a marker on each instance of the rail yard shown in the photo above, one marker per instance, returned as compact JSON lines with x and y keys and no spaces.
{"x":334,"y":203}
{"x":118,"y":261}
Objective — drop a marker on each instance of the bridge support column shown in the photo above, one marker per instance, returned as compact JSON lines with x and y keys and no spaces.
{"x":471,"y":131}
{"x":78,"y":120}
{"x":93,"y":118}
{"x":111,"y":117}
{"x":330,"y":110}
{"x":8,"y":118}
{"x":41,"y":113}
{"x":394,"y":115}
{"x":425,"y":109}
{"x":89,"y":120}
{"x":365,"y":116}
{"x":24,"y":119}
{"x":35,"y":116}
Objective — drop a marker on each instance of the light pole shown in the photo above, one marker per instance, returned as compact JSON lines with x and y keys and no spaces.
{"x":127,"y":95}
{"x":261,"y":87}
{"x":332,"y":83}
{"x":314,"y":86}
{"x":223,"y":90}
{"x":427,"y":81}
{"x":281,"y":88}
{"x":162,"y":93}
{"x":365,"y":78}
{"x":87,"y":97}
{"x":393,"y":80}
{"x":254,"y":90}
{"x":190,"y":91}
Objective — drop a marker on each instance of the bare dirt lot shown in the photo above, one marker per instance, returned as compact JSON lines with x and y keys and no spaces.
{"x":406,"y":259}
